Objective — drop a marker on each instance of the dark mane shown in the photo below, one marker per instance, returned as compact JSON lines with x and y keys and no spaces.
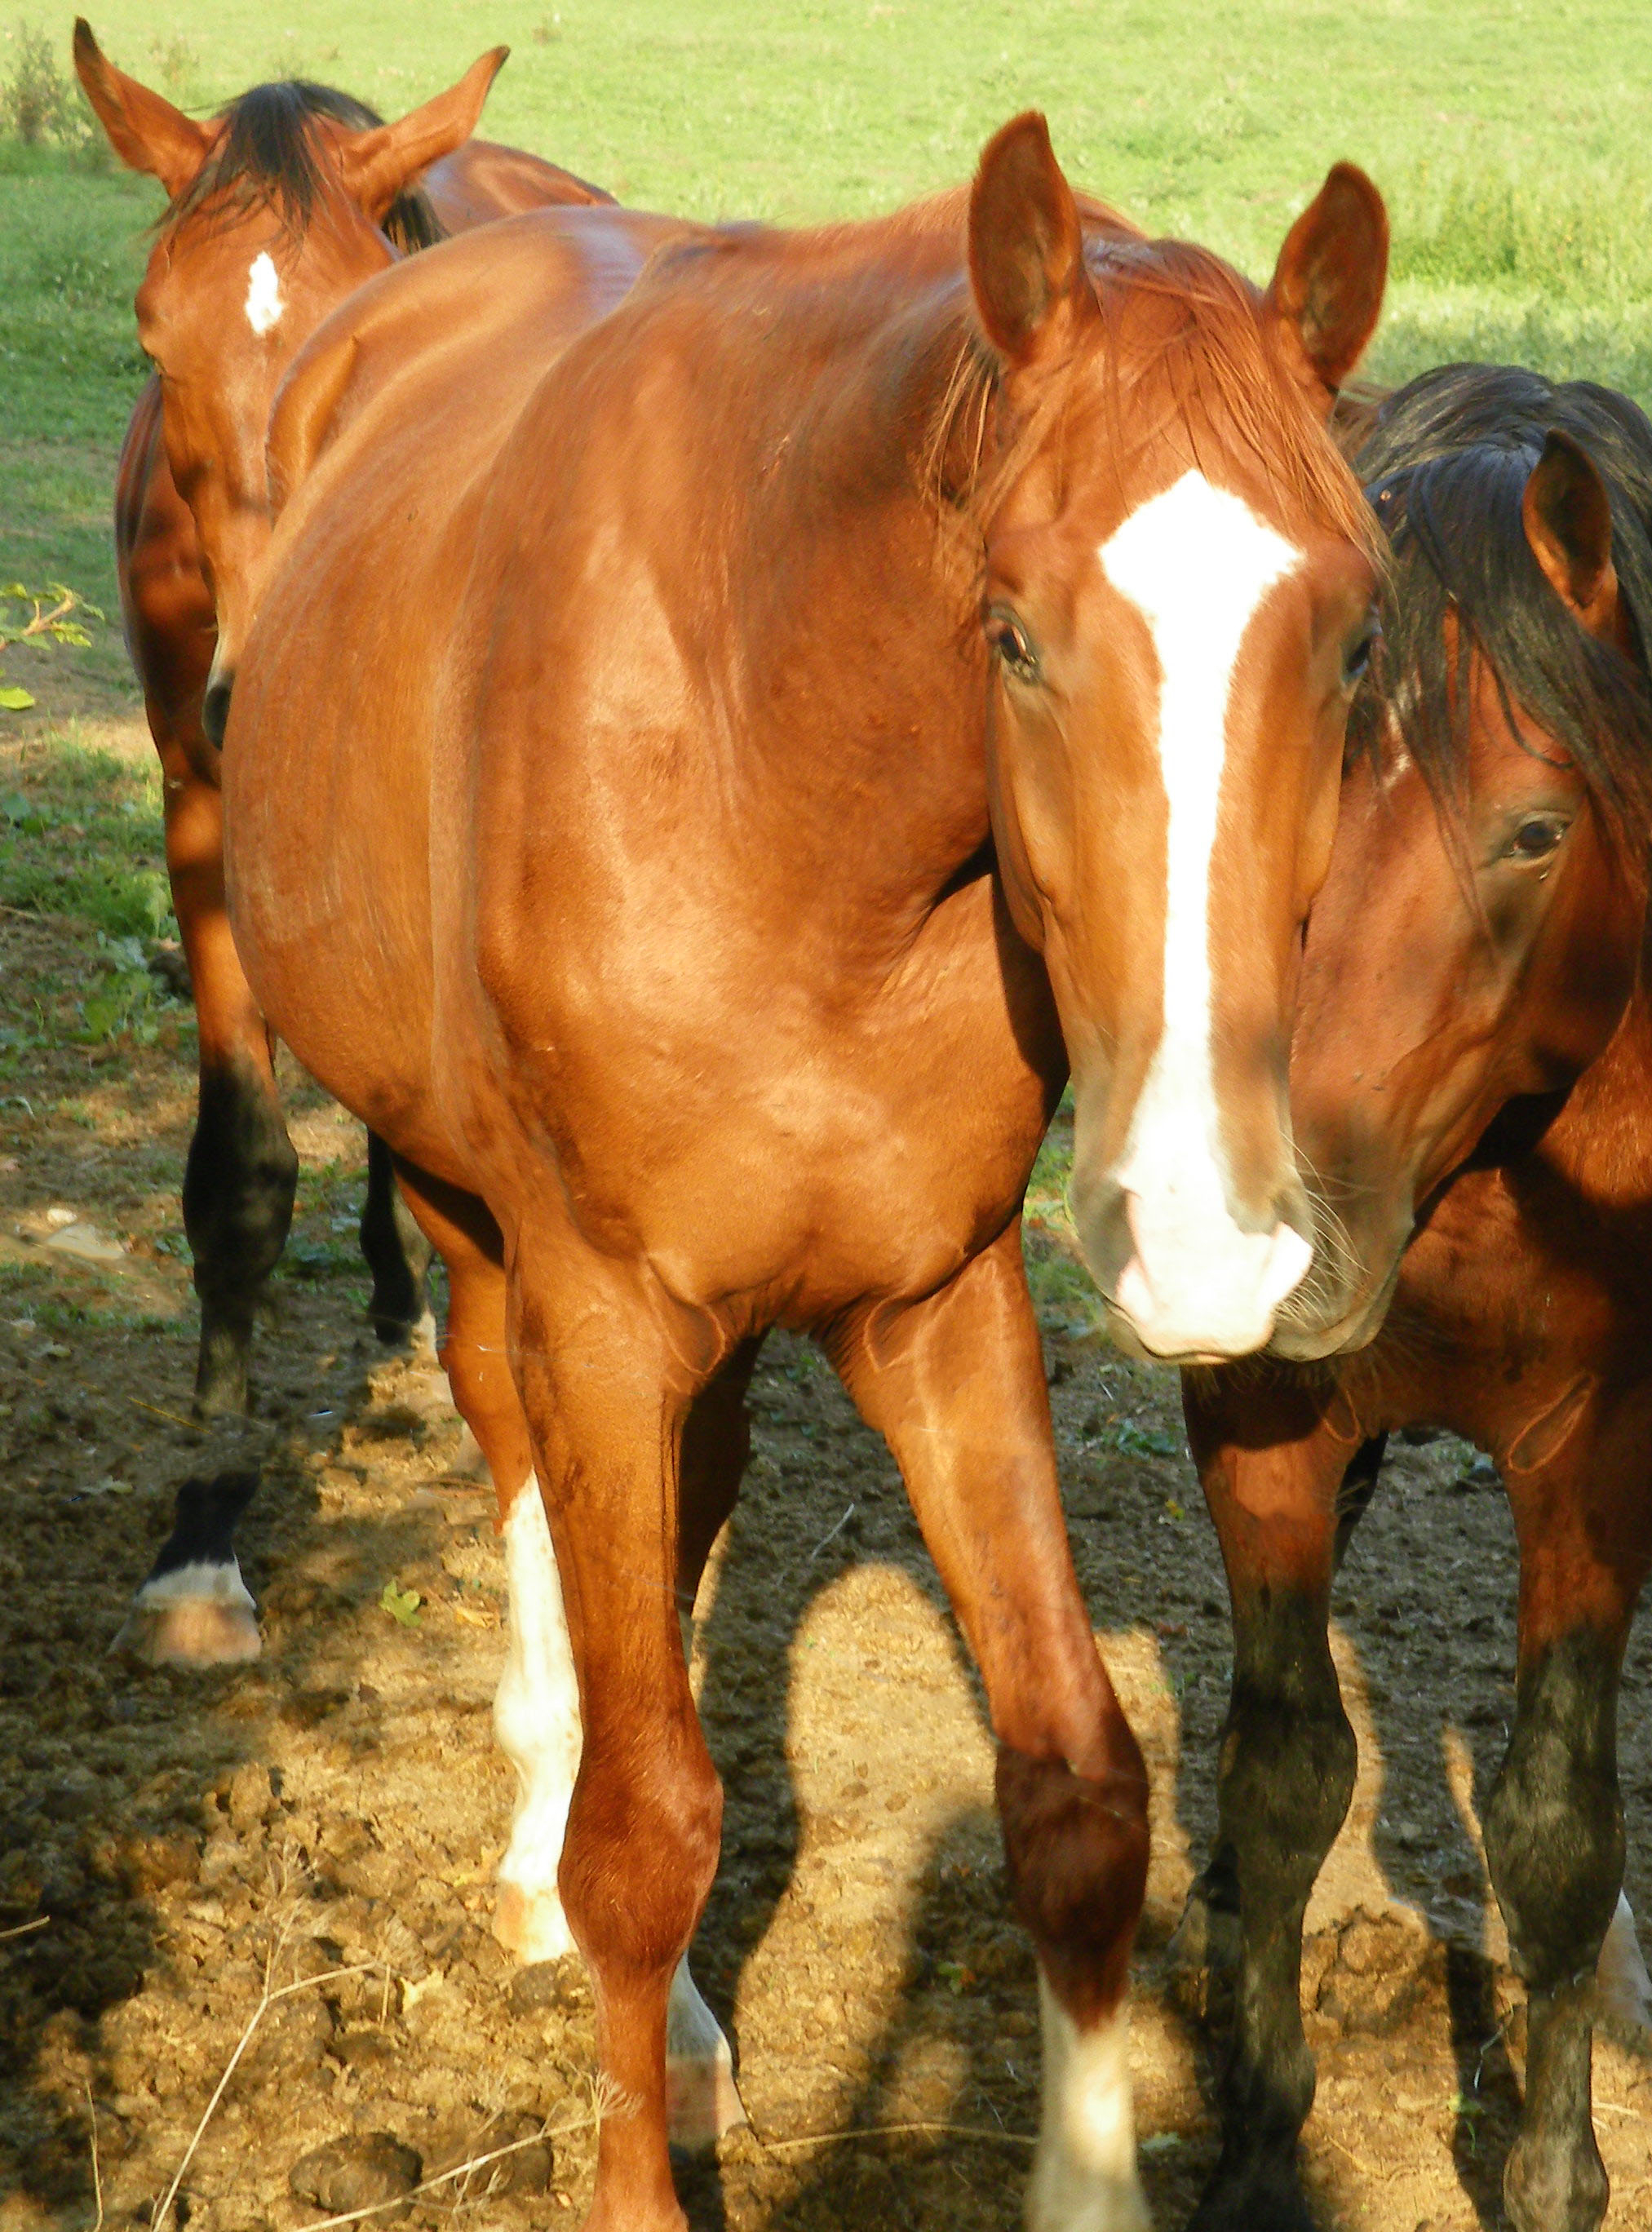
{"x":269,"y":158}
{"x":1445,"y":464}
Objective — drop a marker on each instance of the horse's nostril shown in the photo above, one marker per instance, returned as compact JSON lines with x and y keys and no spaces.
{"x":215,"y":710}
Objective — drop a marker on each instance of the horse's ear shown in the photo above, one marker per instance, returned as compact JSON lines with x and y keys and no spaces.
{"x":1568,"y":519}
{"x":379,"y":164}
{"x":1027,"y":248}
{"x":1327,"y":288}
{"x":145,"y":130}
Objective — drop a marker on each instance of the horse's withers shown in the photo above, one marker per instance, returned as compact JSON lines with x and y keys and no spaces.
{"x":1164,"y":814}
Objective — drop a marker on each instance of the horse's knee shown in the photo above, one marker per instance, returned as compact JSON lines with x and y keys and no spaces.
{"x":1554,"y":1825}
{"x":644,"y":1835}
{"x":1288,"y":1758}
{"x":1077,"y":1848}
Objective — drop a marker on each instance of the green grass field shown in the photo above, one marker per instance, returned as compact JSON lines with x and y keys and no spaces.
{"x":1509,"y":138}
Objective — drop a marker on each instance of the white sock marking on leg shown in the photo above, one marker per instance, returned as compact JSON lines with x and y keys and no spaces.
{"x":1083,"y":2173}
{"x":1623,"y":1987}
{"x":536,"y":1718}
{"x":201,"y":1583}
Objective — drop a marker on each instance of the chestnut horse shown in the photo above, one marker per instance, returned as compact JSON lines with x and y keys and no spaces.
{"x":1474,"y":1000}
{"x":690,"y":784}
{"x":278,"y":207}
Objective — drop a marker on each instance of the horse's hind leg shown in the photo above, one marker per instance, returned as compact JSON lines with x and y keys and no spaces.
{"x":241,"y":1172}
{"x":1554,"y":1824}
{"x":956,"y":1386}
{"x":397,"y":1254}
{"x":1284,"y":1777}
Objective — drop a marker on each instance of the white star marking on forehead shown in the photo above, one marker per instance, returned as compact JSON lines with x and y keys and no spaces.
{"x":264,"y":304}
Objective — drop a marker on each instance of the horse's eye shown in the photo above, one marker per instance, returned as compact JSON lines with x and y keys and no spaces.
{"x":1011,"y":645}
{"x":1358,"y":656}
{"x":1538,"y":836}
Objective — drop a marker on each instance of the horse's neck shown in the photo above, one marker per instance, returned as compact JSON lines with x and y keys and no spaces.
{"x":1602,"y":1140}
{"x":856,"y":624}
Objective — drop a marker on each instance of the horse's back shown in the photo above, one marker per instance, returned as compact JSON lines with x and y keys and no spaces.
{"x":481,"y":181}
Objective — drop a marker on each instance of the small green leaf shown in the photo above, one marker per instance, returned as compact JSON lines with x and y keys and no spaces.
{"x":15,"y":700}
{"x":402,"y":1604}
{"x":1134,"y":1442}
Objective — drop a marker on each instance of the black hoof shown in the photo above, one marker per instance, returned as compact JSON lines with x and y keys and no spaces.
{"x":1254,"y":2196}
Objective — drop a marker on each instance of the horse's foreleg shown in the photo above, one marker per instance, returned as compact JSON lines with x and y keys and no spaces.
{"x":1286,"y":1772}
{"x":1208,"y":1935}
{"x":1554,"y":1823}
{"x":956,"y":1386}
{"x":397,"y":1254}
{"x":604,"y":1389}
{"x":536,"y":1709}
{"x":241,"y":1172}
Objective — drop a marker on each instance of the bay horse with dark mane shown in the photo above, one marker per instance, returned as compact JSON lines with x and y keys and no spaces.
{"x":708,"y":755}
{"x":277,"y":208}
{"x":1472,"y":1079}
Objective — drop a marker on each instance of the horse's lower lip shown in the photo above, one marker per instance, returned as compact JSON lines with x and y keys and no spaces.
{"x":1127,"y":1339}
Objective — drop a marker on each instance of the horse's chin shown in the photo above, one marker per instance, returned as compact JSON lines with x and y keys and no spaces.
{"x":1355,"y":1327}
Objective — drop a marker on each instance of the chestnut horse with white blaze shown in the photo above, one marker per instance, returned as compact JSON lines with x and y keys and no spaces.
{"x":703,"y":761}
{"x":278,"y":208}
{"x":1472,"y":1077}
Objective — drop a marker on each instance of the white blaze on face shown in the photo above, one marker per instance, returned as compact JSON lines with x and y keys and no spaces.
{"x":1196,"y":563}
{"x":264,"y":303}
{"x":1083,"y":2173}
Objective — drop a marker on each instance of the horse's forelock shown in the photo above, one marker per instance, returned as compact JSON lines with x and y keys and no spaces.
{"x":1185,"y":346}
{"x":1445,"y":466}
{"x":270,"y":155}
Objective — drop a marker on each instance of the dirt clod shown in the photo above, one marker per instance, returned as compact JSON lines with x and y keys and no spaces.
{"x":357,"y":2172}
{"x":547,"y":1984}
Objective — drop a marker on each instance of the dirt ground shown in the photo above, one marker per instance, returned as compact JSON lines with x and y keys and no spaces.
{"x":175,"y":1846}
